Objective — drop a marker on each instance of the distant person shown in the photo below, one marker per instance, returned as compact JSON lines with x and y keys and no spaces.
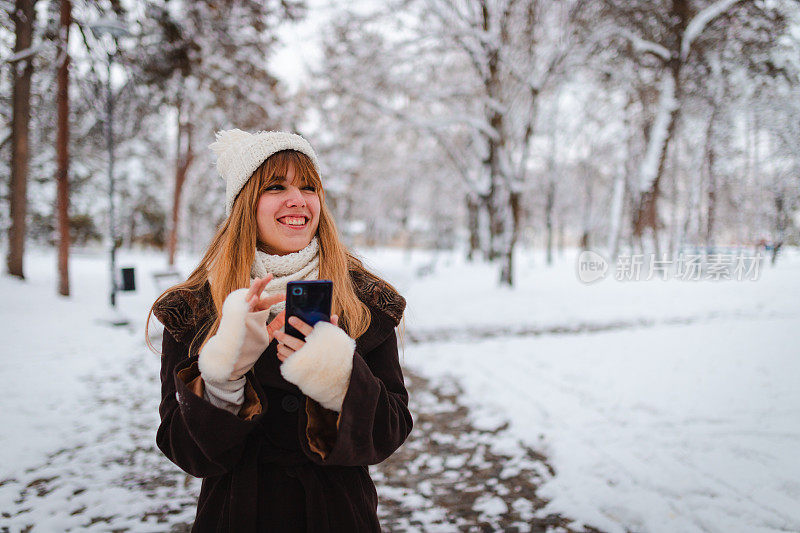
{"x":280,"y":430}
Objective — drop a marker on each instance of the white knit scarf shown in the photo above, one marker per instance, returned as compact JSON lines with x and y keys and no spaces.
{"x":300,"y":265}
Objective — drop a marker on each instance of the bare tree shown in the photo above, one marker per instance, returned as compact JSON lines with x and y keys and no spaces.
{"x":184,"y":156}
{"x":488,"y":64}
{"x":515,"y":51}
{"x":62,"y":148}
{"x":22,"y":68}
{"x":669,"y":38}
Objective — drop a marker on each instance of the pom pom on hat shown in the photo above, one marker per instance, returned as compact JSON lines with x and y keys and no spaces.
{"x":227,"y":140}
{"x":240,"y":153}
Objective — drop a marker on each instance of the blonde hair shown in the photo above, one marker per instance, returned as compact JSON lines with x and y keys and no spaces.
{"x":227,"y":261}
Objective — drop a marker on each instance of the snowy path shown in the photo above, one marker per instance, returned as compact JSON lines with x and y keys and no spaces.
{"x":455,"y":475}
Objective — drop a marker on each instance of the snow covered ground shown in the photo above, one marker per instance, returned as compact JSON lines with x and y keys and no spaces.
{"x":682,"y":413}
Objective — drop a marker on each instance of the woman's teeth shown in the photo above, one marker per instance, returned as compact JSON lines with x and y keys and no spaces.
{"x":292,"y":221}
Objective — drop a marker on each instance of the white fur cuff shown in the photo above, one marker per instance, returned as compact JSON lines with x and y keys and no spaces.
{"x":322,"y":368}
{"x":218,"y":357}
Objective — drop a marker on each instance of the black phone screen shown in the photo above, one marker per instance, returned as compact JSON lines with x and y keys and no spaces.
{"x":310,"y":301}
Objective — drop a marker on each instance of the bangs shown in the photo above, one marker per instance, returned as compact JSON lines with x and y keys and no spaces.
{"x":276,"y":167}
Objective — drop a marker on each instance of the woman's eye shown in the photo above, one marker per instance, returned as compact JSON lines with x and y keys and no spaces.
{"x":277,"y":187}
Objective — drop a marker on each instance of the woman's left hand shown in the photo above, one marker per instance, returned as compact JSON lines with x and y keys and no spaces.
{"x":288,"y":344}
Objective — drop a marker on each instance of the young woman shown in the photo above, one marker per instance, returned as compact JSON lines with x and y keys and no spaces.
{"x":281,"y":430}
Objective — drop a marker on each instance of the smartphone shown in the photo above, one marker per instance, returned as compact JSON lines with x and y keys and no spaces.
{"x":310,"y":301}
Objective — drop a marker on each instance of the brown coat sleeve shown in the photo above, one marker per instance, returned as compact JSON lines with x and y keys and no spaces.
{"x":374,"y":420}
{"x":203,"y":440}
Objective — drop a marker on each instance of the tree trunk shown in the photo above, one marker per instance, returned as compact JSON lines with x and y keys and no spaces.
{"x":617,"y":197}
{"x":62,"y":149}
{"x":629,"y":203}
{"x":500,"y":203}
{"x":184,"y":160}
{"x":496,"y":203}
{"x":507,"y":271}
{"x":22,"y":72}
{"x":587,"y":208}
{"x":405,"y":223}
{"x":548,"y":218}
{"x":646,"y":213}
{"x":691,"y":222}
{"x":781,"y":222}
{"x":473,"y":225}
{"x":621,"y":189}
{"x":132,"y":229}
{"x":712,"y":184}
{"x":550,"y":193}
{"x":675,"y":237}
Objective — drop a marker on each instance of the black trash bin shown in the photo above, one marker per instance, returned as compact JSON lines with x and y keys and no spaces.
{"x":128,"y":279}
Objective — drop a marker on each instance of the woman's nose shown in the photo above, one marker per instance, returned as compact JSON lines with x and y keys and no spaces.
{"x":295,"y":198}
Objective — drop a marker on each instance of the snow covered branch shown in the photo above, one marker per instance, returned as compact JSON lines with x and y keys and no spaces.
{"x":26,"y":53}
{"x":700,"y":21}
{"x":644,"y":46}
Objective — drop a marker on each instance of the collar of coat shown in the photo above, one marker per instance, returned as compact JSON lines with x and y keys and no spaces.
{"x":183,"y":312}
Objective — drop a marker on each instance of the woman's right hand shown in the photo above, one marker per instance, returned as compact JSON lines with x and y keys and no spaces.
{"x":243,"y":334}
{"x":259,"y":303}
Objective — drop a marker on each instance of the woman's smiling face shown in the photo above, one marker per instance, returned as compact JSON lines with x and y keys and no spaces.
{"x":287,"y":214}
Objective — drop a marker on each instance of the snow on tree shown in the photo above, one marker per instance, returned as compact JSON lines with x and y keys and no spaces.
{"x":672,"y":39}
{"x":487,"y":64}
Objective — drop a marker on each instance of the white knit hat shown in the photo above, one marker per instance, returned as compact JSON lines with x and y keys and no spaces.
{"x":240,"y":153}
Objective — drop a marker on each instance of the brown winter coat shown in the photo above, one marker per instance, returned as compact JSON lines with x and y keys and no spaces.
{"x":285,"y":463}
